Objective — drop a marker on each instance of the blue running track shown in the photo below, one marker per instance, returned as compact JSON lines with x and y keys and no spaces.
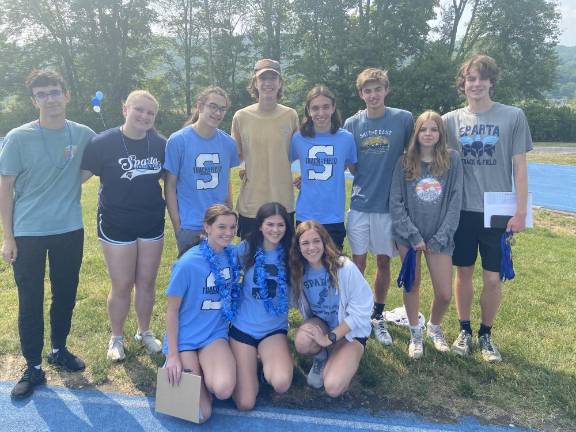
{"x":61,"y":409}
{"x":552,"y":186}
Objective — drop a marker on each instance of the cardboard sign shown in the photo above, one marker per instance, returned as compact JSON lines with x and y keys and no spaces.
{"x":182,"y":400}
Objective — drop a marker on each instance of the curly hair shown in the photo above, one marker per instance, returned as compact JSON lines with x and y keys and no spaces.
{"x":330,"y":258}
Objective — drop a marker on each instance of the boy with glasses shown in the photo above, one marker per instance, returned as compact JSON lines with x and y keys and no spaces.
{"x":40,"y":184}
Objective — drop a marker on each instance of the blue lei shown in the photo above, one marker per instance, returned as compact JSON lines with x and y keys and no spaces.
{"x":229,"y":291}
{"x":282,"y":289}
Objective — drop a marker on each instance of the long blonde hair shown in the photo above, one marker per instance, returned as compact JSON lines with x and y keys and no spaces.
{"x":330,"y":258}
{"x":440,"y":155}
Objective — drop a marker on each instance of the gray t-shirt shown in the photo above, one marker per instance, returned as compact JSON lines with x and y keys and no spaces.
{"x":379,"y":143}
{"x":46,"y":164}
{"x":428,"y":207}
{"x":487,"y":141}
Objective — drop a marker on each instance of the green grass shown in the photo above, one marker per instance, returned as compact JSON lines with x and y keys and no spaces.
{"x":534,"y":387}
{"x":554,"y":144}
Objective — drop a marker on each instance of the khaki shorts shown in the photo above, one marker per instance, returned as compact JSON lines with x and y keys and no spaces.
{"x":370,"y":232}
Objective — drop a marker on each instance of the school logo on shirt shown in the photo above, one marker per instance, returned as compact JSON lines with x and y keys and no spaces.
{"x":271,"y":284}
{"x":134,"y":167}
{"x":479,"y":144}
{"x":211,"y":290}
{"x":206,"y":167}
{"x":323,"y":163}
{"x":428,"y":189}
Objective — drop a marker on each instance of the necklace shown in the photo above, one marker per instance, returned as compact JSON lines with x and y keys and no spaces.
{"x":68,"y":150}
{"x":229,"y":291}
{"x":126,"y":148}
{"x":263,"y":291}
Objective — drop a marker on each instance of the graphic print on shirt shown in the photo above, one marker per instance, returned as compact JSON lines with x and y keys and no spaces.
{"x":375,"y":141}
{"x":324,"y":164}
{"x":428,"y":189}
{"x":134,"y":167}
{"x":323,"y":300}
{"x":271,"y":284}
{"x":479,"y":144}
{"x":211,"y":293}
{"x":206,"y":166}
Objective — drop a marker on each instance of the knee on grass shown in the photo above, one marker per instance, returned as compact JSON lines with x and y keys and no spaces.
{"x":280,"y":381}
{"x":334,"y":386}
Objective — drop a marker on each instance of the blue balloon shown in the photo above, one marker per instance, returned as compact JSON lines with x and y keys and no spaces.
{"x":95,"y":101}
{"x":99,"y":95}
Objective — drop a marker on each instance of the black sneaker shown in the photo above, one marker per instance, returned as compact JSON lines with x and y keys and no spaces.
{"x":30,"y":379}
{"x":66,"y":359}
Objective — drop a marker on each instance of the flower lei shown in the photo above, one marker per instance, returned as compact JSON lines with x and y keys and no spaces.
{"x":282,"y":288}
{"x":229,"y":291}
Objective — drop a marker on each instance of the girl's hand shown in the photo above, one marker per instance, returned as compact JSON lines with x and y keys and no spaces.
{"x":318,"y":336}
{"x":174,"y":368}
{"x":420,"y":246}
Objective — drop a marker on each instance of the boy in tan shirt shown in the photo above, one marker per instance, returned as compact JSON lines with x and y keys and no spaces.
{"x":262,"y":132}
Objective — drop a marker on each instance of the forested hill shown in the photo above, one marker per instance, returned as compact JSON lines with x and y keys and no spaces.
{"x":566,"y":88}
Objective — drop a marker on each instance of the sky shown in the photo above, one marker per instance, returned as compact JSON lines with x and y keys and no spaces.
{"x":568,"y":23}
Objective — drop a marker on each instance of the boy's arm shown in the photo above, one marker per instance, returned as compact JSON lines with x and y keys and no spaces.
{"x":518,"y":222}
{"x":9,"y":249}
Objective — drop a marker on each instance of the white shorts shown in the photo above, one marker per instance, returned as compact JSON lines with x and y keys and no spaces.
{"x":370,"y":232}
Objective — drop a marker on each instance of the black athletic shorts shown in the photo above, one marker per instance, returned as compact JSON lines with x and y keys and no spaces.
{"x":245,"y":338}
{"x":124,"y":235}
{"x":471,"y":237}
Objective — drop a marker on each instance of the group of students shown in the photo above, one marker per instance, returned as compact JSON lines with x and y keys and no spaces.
{"x":417,"y":185}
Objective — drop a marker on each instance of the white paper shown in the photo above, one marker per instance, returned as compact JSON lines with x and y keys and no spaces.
{"x":504,"y":203}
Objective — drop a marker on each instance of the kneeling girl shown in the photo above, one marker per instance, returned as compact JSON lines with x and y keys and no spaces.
{"x":260,"y":327}
{"x":335,"y":301}
{"x":201,"y":296}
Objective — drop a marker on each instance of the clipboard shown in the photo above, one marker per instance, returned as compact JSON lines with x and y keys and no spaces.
{"x":500,"y":206}
{"x":182,"y":400}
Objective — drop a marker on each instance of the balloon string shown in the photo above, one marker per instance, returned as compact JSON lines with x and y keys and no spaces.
{"x":102,"y":120}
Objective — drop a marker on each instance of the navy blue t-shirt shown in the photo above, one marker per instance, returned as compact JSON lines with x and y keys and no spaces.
{"x":129,"y":171}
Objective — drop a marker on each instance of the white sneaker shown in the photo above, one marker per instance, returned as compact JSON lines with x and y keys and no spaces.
{"x":381,"y":331}
{"x":116,"y":348}
{"x":416,"y":347}
{"x":437,"y":338}
{"x":315,"y":377}
{"x":148,"y":339}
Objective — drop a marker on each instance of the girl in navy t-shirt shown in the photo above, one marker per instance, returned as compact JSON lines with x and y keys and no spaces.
{"x":130,"y":220}
{"x":202,"y":298}
{"x":260,"y":327}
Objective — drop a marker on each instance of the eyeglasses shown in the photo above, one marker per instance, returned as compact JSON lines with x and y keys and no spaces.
{"x":42,"y":96}
{"x":214,"y":108}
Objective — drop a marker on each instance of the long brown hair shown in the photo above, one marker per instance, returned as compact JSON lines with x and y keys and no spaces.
{"x":307,"y":127}
{"x":330,"y":258}
{"x":440,"y":155}
{"x":201,"y":99}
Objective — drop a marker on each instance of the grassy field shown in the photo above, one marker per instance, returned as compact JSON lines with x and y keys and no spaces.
{"x":534,"y":387}
{"x":560,"y":158}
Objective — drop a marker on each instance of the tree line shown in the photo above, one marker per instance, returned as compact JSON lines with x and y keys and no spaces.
{"x":175,"y":47}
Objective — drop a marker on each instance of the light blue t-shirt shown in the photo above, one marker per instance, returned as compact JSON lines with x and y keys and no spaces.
{"x":203,"y":170}
{"x":323,"y":159}
{"x":324,"y":300}
{"x":46,"y":164}
{"x":379,"y":142}
{"x":200,"y":319}
{"x":252,"y":317}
